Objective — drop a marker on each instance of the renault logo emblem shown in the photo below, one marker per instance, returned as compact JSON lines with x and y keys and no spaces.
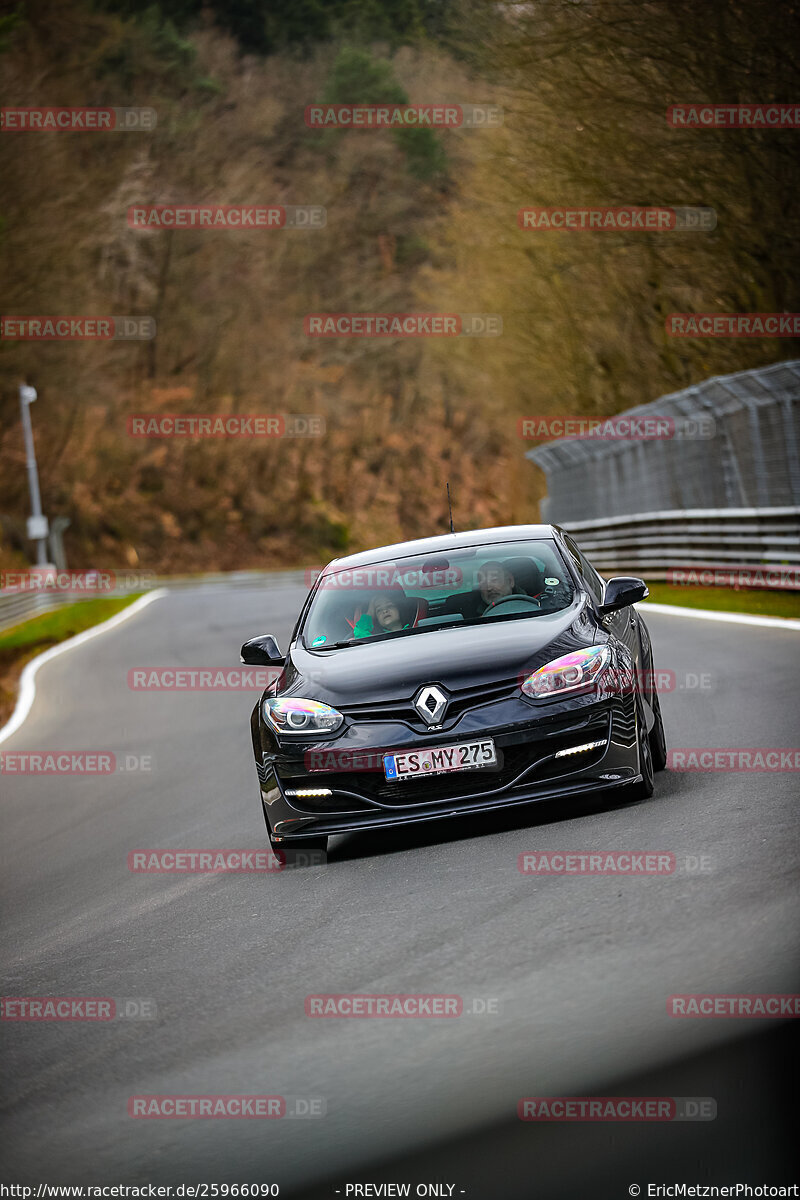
{"x":431,"y":703}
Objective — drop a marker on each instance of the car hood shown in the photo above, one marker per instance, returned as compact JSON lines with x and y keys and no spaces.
{"x":456,"y":657}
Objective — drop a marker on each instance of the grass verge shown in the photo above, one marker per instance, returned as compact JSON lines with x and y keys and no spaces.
{"x":758,"y":602}
{"x":23,"y":642}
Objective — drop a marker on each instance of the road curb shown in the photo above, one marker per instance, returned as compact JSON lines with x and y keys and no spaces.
{"x":27,"y":686}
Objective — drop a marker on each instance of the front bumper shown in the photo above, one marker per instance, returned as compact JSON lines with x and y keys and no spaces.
{"x":527,"y":738}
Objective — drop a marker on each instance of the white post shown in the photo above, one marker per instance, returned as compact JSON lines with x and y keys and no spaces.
{"x":37,"y":523}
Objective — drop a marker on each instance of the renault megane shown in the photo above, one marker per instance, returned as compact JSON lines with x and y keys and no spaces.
{"x":451,"y":675}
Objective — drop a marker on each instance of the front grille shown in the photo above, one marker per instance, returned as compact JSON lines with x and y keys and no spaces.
{"x":373,"y":786}
{"x":458,"y":702}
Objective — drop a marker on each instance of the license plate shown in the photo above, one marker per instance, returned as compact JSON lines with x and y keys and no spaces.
{"x":465,"y":756}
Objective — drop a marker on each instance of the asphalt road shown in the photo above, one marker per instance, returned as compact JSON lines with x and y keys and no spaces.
{"x":579,"y":969}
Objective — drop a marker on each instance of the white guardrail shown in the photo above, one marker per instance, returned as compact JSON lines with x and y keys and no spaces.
{"x":655,"y":544}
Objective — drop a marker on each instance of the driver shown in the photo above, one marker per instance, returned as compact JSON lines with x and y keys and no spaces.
{"x":494,"y":582}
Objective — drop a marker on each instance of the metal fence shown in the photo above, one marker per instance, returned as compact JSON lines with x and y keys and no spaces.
{"x":752,"y":459}
{"x":724,"y":490}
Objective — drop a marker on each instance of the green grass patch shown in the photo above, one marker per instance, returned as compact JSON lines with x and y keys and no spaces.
{"x":62,"y":623}
{"x":757,"y":602}
{"x":23,"y":642}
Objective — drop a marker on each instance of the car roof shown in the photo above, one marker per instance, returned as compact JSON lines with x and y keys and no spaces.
{"x":443,"y":542}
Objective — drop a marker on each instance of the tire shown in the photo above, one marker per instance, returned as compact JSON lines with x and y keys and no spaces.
{"x":658,"y":739}
{"x":643,"y":789}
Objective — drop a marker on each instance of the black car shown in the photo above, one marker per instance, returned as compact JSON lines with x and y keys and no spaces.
{"x":451,"y":675}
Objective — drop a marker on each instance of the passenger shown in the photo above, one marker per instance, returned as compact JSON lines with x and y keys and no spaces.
{"x":382,"y":616}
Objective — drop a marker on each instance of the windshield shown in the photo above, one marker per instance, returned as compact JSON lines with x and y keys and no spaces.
{"x":501,"y":581}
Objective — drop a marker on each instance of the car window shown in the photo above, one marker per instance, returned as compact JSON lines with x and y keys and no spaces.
{"x":498,"y":581}
{"x":594,"y":582}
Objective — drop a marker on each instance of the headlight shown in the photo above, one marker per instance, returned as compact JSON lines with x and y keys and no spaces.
{"x":294,"y":715}
{"x":573,"y":672}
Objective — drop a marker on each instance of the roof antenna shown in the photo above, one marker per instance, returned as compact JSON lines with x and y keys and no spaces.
{"x":449,"y":505}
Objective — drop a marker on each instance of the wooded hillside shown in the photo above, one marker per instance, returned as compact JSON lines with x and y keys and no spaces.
{"x":417,"y":221}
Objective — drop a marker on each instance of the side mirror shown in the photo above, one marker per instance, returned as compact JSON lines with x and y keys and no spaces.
{"x":621,"y":591}
{"x":262,"y":651}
